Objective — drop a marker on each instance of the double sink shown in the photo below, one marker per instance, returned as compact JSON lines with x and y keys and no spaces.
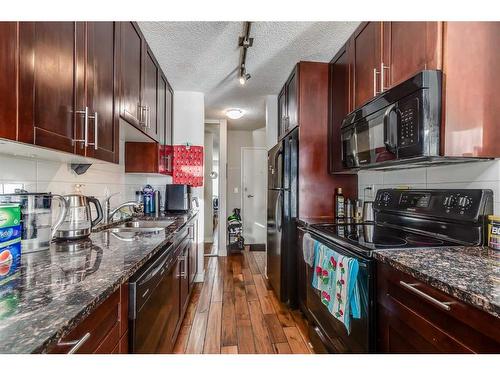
{"x":141,"y":226}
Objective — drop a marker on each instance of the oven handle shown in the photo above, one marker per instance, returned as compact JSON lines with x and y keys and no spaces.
{"x":388,"y":130}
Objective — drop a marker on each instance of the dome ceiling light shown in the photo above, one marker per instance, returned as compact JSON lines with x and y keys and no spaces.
{"x":234,"y":113}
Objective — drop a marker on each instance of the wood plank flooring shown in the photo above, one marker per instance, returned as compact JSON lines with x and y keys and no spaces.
{"x":235,"y":312}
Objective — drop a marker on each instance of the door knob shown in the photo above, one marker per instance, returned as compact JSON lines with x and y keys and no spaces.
{"x":249,"y":196}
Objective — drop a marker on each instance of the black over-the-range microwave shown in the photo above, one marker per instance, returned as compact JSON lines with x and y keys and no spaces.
{"x":401,"y":125}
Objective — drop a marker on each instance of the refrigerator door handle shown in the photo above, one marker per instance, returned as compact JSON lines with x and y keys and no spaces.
{"x":277,"y":212}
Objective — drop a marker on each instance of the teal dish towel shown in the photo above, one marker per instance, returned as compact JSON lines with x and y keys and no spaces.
{"x":335,"y":276}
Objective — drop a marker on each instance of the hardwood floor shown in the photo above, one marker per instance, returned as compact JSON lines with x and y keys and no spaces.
{"x":235,"y":312}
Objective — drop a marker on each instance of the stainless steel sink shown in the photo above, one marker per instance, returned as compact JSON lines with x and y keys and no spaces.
{"x":144,"y":226}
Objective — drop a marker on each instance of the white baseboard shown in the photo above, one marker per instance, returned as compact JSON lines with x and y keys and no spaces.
{"x":200,"y":277}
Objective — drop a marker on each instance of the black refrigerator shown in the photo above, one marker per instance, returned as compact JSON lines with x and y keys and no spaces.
{"x":282,"y":210}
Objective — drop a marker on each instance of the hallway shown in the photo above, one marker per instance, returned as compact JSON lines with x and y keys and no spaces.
{"x":234,"y":312}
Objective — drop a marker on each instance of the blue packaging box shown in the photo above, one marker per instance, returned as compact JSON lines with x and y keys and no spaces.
{"x":10,"y":233}
{"x":10,"y":258}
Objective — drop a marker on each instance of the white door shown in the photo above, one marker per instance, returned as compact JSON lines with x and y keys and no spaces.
{"x":254,"y":193}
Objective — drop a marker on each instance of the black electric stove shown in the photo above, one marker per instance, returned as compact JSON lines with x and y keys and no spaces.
{"x":403,"y":219}
{"x":416,"y":219}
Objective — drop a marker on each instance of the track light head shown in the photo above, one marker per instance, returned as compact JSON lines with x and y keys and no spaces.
{"x":244,"y":77}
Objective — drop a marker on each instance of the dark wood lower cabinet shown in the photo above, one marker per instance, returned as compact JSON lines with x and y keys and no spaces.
{"x":409,"y":323}
{"x":102,"y":330}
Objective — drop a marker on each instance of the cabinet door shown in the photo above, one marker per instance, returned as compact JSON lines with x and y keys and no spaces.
{"x":130,"y":73}
{"x":410,"y":47}
{"x":193,"y":253}
{"x":471,"y":66}
{"x":47,"y":76}
{"x":282,"y":113}
{"x":162,"y":121}
{"x":340,"y":104}
{"x":101,"y":42}
{"x":150,"y":95}
{"x":293,"y":101}
{"x":169,"y":125}
{"x":8,"y":79}
{"x":184,"y":277}
{"x":367,"y":62}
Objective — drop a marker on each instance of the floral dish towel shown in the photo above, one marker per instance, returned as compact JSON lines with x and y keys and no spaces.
{"x":335,"y":276}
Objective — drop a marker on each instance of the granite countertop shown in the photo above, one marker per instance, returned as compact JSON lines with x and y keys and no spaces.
{"x":470,"y":274}
{"x":51,"y":293}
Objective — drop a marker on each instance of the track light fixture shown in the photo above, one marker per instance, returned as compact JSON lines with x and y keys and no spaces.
{"x":245,"y":42}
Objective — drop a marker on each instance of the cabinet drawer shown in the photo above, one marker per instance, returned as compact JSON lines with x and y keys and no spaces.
{"x":447,"y":324}
{"x":99,"y":332}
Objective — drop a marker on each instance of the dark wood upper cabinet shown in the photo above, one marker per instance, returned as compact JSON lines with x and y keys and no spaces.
{"x":288,"y":105}
{"x":408,"y":48}
{"x":471,"y":106}
{"x":100,"y":93}
{"x":367,"y":48}
{"x":169,"y":121}
{"x":340,"y":104}
{"x":149,"y":101}
{"x":47,"y":92}
{"x":282,"y":112}
{"x":131,"y":73}
{"x":8,"y":79}
{"x":292,"y":102}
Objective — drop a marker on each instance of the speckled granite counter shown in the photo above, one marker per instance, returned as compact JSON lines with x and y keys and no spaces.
{"x":52,"y":293}
{"x":471,"y":274}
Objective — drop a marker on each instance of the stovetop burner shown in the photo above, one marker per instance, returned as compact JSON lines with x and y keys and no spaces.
{"x":374,"y":236}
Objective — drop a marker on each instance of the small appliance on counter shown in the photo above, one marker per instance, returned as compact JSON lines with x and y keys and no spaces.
{"x":177,"y":198}
{"x":37,"y":230}
{"x":78,"y":222}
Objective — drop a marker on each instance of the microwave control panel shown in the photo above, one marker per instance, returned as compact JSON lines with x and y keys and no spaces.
{"x":408,"y":123}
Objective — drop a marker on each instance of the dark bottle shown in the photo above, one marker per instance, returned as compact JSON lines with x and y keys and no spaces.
{"x":339,"y":204}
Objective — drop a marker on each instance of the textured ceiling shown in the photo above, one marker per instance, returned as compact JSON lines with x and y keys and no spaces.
{"x":204,"y":56}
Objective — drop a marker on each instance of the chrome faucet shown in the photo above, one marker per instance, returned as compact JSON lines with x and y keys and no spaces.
{"x":108,"y":213}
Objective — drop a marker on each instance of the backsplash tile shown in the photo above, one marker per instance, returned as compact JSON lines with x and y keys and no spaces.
{"x":476,"y":175}
{"x":56,"y":177}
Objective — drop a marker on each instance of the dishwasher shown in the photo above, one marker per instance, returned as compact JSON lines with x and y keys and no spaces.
{"x":154,"y":303}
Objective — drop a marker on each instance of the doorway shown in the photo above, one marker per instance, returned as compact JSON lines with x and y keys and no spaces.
{"x":214,"y":189}
{"x":254,"y":196}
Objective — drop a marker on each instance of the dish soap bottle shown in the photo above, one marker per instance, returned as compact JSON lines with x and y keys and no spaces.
{"x":339,"y":202}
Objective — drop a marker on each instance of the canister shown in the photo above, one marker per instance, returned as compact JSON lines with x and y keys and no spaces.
{"x":494,"y":232}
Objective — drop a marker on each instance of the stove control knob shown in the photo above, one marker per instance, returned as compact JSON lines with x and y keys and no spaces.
{"x":449,"y":201}
{"x":464,"y":202}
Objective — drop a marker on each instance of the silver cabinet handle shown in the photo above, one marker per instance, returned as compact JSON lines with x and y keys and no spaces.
{"x":76,"y":344}
{"x":148,"y":115}
{"x":382,"y":77}
{"x":375,"y":92}
{"x":411,"y":288}
{"x":85,"y":114}
{"x":95,"y":131}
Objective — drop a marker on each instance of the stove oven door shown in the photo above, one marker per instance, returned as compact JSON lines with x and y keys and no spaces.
{"x":332,"y":332}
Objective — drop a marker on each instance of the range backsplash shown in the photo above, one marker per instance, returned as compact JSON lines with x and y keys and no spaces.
{"x":476,"y":175}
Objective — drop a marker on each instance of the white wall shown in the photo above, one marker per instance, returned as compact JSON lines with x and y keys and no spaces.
{"x":259,"y":138}
{"x":189,"y":127}
{"x":476,"y":175}
{"x":208,"y":191}
{"x":271,"y":120}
